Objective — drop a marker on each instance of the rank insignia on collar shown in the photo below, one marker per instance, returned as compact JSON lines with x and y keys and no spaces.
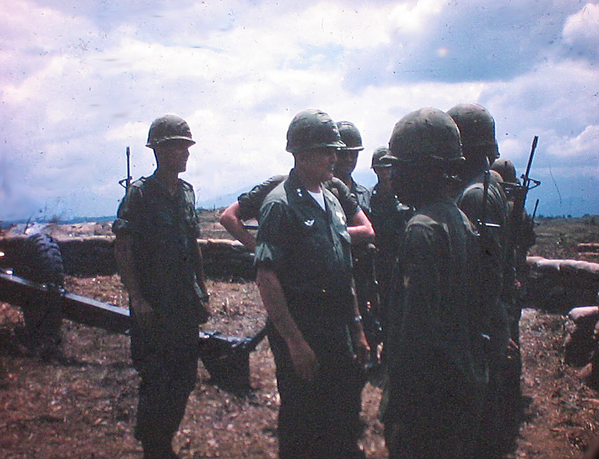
{"x":308,"y":223}
{"x":299,"y":192}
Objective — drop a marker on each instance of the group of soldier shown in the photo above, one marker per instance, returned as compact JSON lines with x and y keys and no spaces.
{"x":415,"y":278}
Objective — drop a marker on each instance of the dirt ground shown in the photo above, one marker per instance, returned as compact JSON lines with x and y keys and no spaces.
{"x":85,"y":408}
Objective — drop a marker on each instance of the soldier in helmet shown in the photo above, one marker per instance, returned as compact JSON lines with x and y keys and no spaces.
{"x":160,"y":263}
{"x":521,"y":237}
{"x":435,"y":362}
{"x":484,"y":202}
{"x":363,"y":254}
{"x":304,"y":275}
{"x":347,"y":159}
{"x":389,"y":217}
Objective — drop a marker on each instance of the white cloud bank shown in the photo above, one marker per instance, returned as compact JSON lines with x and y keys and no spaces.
{"x":79,"y":83}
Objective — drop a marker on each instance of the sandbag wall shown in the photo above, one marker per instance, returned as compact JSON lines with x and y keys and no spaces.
{"x":582,"y":342}
{"x":570,"y":287}
{"x":94,"y":255}
{"x":560,"y":285}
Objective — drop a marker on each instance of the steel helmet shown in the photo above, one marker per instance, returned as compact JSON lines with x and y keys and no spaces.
{"x":350,"y":136}
{"x":380,"y":158}
{"x":426,"y":137}
{"x":312,"y":129}
{"x":167,"y":128}
{"x":506,"y":169}
{"x":477,"y":129}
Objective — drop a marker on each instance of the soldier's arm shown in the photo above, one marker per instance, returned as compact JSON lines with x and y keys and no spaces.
{"x":231,"y":220}
{"x":360,"y":342}
{"x":360,"y":229}
{"x":302,"y":355}
{"x":199,"y":269}
{"x":247,"y":207}
{"x":126,"y":268}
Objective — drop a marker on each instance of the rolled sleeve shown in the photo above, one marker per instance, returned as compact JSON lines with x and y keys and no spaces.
{"x":127,"y":213}
{"x":250,"y":202}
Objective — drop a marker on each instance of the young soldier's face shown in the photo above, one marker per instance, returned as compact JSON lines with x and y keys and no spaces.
{"x":319,"y":163}
{"x":346,"y":162}
{"x":173,"y":156}
{"x":384,"y":176}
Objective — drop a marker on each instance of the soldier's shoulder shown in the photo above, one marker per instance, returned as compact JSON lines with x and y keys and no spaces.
{"x":186,"y":185}
{"x":337,"y":184}
{"x":277,"y":194}
{"x":421,"y":220}
{"x":139,"y":183}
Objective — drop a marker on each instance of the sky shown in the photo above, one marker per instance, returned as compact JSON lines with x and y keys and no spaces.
{"x":81,"y":81}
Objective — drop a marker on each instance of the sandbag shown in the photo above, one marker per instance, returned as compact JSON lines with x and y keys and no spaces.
{"x":580,"y":341}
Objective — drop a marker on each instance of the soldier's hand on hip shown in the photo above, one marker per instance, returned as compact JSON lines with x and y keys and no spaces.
{"x":304,"y":360}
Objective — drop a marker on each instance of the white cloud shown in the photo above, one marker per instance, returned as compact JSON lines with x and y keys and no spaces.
{"x":80,"y":82}
{"x":581,"y":33}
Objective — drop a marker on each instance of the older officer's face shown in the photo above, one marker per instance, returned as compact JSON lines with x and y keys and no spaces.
{"x":319,"y":163}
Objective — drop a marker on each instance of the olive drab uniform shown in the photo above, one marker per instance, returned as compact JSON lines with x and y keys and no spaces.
{"x":436,"y":364}
{"x":362,"y":195}
{"x":493,"y":254}
{"x":493,"y":241}
{"x":368,"y":294}
{"x":164,"y":228}
{"x":389,"y":218}
{"x":309,"y":250}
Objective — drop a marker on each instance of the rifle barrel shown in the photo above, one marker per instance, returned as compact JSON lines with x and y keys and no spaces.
{"x":532,"y":154}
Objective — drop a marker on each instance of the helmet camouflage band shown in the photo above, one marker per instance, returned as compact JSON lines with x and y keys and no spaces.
{"x":426,"y":137}
{"x":350,"y":136}
{"x":477,"y":129}
{"x":311,"y":129}
{"x":168,"y":128}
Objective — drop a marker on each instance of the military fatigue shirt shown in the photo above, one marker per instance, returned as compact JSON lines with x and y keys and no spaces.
{"x":362,"y":195}
{"x":164,"y":230}
{"x":307,"y":247}
{"x":494,"y":243}
{"x":435,"y":343}
{"x":389,"y":218}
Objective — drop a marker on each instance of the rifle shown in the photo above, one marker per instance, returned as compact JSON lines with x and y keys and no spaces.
{"x":126,"y":182}
{"x":482,"y":224}
{"x":520,"y":192}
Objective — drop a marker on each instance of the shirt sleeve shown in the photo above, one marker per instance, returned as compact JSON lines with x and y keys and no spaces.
{"x":270,"y":236}
{"x":127,"y":221}
{"x":346,"y":198}
{"x":250,"y":202}
{"x":194,"y":217}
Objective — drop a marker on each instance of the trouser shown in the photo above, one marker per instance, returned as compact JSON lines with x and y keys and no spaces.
{"x":319,"y":420}
{"x":433,"y":409}
{"x":431,"y":434}
{"x":168,"y":371}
